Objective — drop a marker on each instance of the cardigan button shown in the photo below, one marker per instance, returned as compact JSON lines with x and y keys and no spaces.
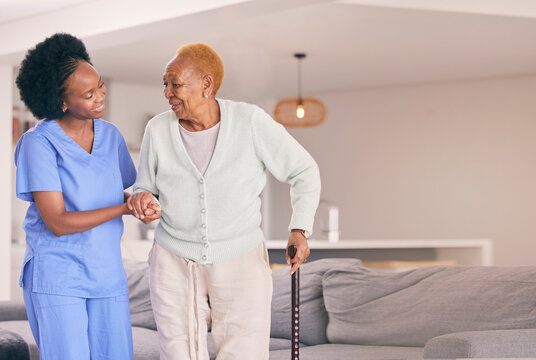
{"x":204,"y":238}
{"x":204,"y":226}
{"x":204,"y":257}
{"x":201,"y":181}
{"x":203,"y":211}
{"x":202,"y":196}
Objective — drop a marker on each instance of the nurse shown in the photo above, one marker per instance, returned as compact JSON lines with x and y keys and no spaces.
{"x":72,"y":168}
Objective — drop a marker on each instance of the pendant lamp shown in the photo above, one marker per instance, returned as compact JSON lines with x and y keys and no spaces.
{"x":300,"y":112}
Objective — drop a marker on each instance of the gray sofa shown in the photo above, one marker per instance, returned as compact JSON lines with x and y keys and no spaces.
{"x":352,"y":312}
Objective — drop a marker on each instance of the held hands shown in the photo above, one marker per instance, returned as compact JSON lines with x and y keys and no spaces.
{"x":144,"y":206}
{"x":302,"y":250}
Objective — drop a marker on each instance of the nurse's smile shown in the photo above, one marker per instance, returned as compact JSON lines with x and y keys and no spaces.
{"x":99,"y":108}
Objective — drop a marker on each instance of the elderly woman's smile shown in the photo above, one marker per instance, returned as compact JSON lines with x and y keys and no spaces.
{"x":175,"y":105}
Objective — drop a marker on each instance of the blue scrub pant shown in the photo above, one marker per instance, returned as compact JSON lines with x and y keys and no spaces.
{"x":66,"y":327}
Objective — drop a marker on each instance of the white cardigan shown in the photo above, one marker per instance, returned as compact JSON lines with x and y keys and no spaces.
{"x":216,"y":217}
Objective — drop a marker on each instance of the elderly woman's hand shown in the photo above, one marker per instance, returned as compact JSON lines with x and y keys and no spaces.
{"x":151,"y":213}
{"x":302,"y":250}
{"x":144,"y":206}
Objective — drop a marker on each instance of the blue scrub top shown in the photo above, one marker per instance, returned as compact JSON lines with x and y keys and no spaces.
{"x":85,"y":264}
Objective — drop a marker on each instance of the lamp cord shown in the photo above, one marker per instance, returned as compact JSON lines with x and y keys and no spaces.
{"x":299,"y":82}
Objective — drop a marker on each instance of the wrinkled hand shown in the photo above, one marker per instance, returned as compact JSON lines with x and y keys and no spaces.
{"x":144,"y":206}
{"x":151,"y":213}
{"x":302,"y":250}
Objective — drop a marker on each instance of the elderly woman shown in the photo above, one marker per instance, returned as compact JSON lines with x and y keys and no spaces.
{"x":205,"y":161}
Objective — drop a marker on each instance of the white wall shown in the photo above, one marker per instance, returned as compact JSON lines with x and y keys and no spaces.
{"x":451,"y":160}
{"x":130,"y":106}
{"x":431,"y":161}
{"x":6,"y":81}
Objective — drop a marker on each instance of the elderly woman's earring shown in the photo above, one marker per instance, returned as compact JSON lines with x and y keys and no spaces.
{"x":206,"y":95}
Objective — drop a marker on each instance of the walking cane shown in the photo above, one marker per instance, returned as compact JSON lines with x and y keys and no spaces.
{"x":295,"y":280}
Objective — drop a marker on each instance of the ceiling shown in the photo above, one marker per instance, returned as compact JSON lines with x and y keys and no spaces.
{"x":350,"y":44}
{"x":11,"y":10}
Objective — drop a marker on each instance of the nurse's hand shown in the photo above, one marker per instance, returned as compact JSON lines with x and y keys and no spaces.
{"x":126,"y":210}
{"x":142,"y":201}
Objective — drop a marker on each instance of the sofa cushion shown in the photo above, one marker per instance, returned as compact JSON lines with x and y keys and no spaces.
{"x":146,"y":345}
{"x":372,"y":307}
{"x":13,"y":346}
{"x":345,"y":352}
{"x":514,"y":343}
{"x":141,"y":312}
{"x":22,"y":329}
{"x":313,"y":316}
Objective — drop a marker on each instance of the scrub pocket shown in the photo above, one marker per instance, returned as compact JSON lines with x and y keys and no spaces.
{"x":57,"y":270}
{"x":23,"y":274}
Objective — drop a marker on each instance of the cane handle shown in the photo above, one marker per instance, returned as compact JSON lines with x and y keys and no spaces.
{"x":292,"y":251}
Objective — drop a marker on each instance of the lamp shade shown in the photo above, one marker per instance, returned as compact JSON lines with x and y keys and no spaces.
{"x":314,"y":112}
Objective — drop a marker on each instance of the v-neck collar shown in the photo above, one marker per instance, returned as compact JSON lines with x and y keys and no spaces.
{"x":67,"y":138}
{"x":219,"y":141}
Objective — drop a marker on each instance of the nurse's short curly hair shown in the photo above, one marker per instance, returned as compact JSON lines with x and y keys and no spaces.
{"x":44,"y":70}
{"x":206,"y":60}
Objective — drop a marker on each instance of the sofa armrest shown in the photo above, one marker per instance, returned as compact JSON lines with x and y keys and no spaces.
{"x":516,"y":343}
{"x":12,"y":310}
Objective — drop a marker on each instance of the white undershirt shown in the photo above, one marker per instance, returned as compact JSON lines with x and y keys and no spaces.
{"x":200,"y":145}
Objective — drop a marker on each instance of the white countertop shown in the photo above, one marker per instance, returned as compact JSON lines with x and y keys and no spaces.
{"x":387,"y":244}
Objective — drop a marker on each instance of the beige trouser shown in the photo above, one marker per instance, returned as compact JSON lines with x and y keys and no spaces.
{"x":234,"y":296}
